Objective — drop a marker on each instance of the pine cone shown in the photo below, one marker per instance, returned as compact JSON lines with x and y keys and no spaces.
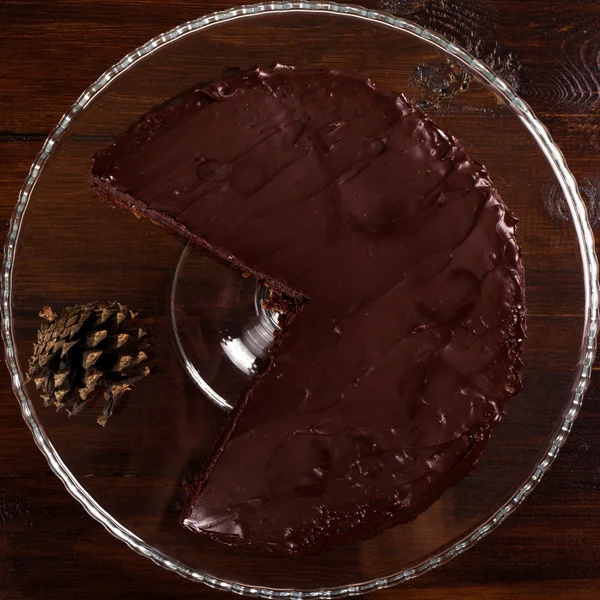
{"x":86,"y":350}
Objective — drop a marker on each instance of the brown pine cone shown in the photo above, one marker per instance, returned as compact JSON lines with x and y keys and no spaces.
{"x":87,"y":350}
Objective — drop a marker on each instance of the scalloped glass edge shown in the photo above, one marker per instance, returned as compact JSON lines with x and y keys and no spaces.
{"x":544,"y":141}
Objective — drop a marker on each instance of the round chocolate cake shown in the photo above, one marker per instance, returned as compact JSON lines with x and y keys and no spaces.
{"x":394,"y":259}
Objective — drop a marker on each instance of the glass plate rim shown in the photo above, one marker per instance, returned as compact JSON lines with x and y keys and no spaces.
{"x":569,"y":189}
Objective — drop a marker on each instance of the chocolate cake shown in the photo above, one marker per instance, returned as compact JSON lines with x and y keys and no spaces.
{"x":394,"y":254}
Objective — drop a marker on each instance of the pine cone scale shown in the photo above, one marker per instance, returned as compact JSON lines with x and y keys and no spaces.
{"x":93,"y":339}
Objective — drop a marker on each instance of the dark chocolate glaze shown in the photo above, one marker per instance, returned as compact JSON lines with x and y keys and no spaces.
{"x":407,"y":350}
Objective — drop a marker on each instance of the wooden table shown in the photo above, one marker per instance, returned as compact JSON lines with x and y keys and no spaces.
{"x":51,"y":51}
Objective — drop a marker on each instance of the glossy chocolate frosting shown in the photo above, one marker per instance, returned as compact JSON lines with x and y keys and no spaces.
{"x":408,"y":285}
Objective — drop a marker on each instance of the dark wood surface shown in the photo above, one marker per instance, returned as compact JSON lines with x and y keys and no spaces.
{"x":50,"y":51}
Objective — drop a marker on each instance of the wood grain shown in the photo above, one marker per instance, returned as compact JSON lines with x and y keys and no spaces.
{"x":49,"y":547}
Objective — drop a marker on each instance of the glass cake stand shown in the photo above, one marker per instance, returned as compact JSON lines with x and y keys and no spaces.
{"x":207,"y":321}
